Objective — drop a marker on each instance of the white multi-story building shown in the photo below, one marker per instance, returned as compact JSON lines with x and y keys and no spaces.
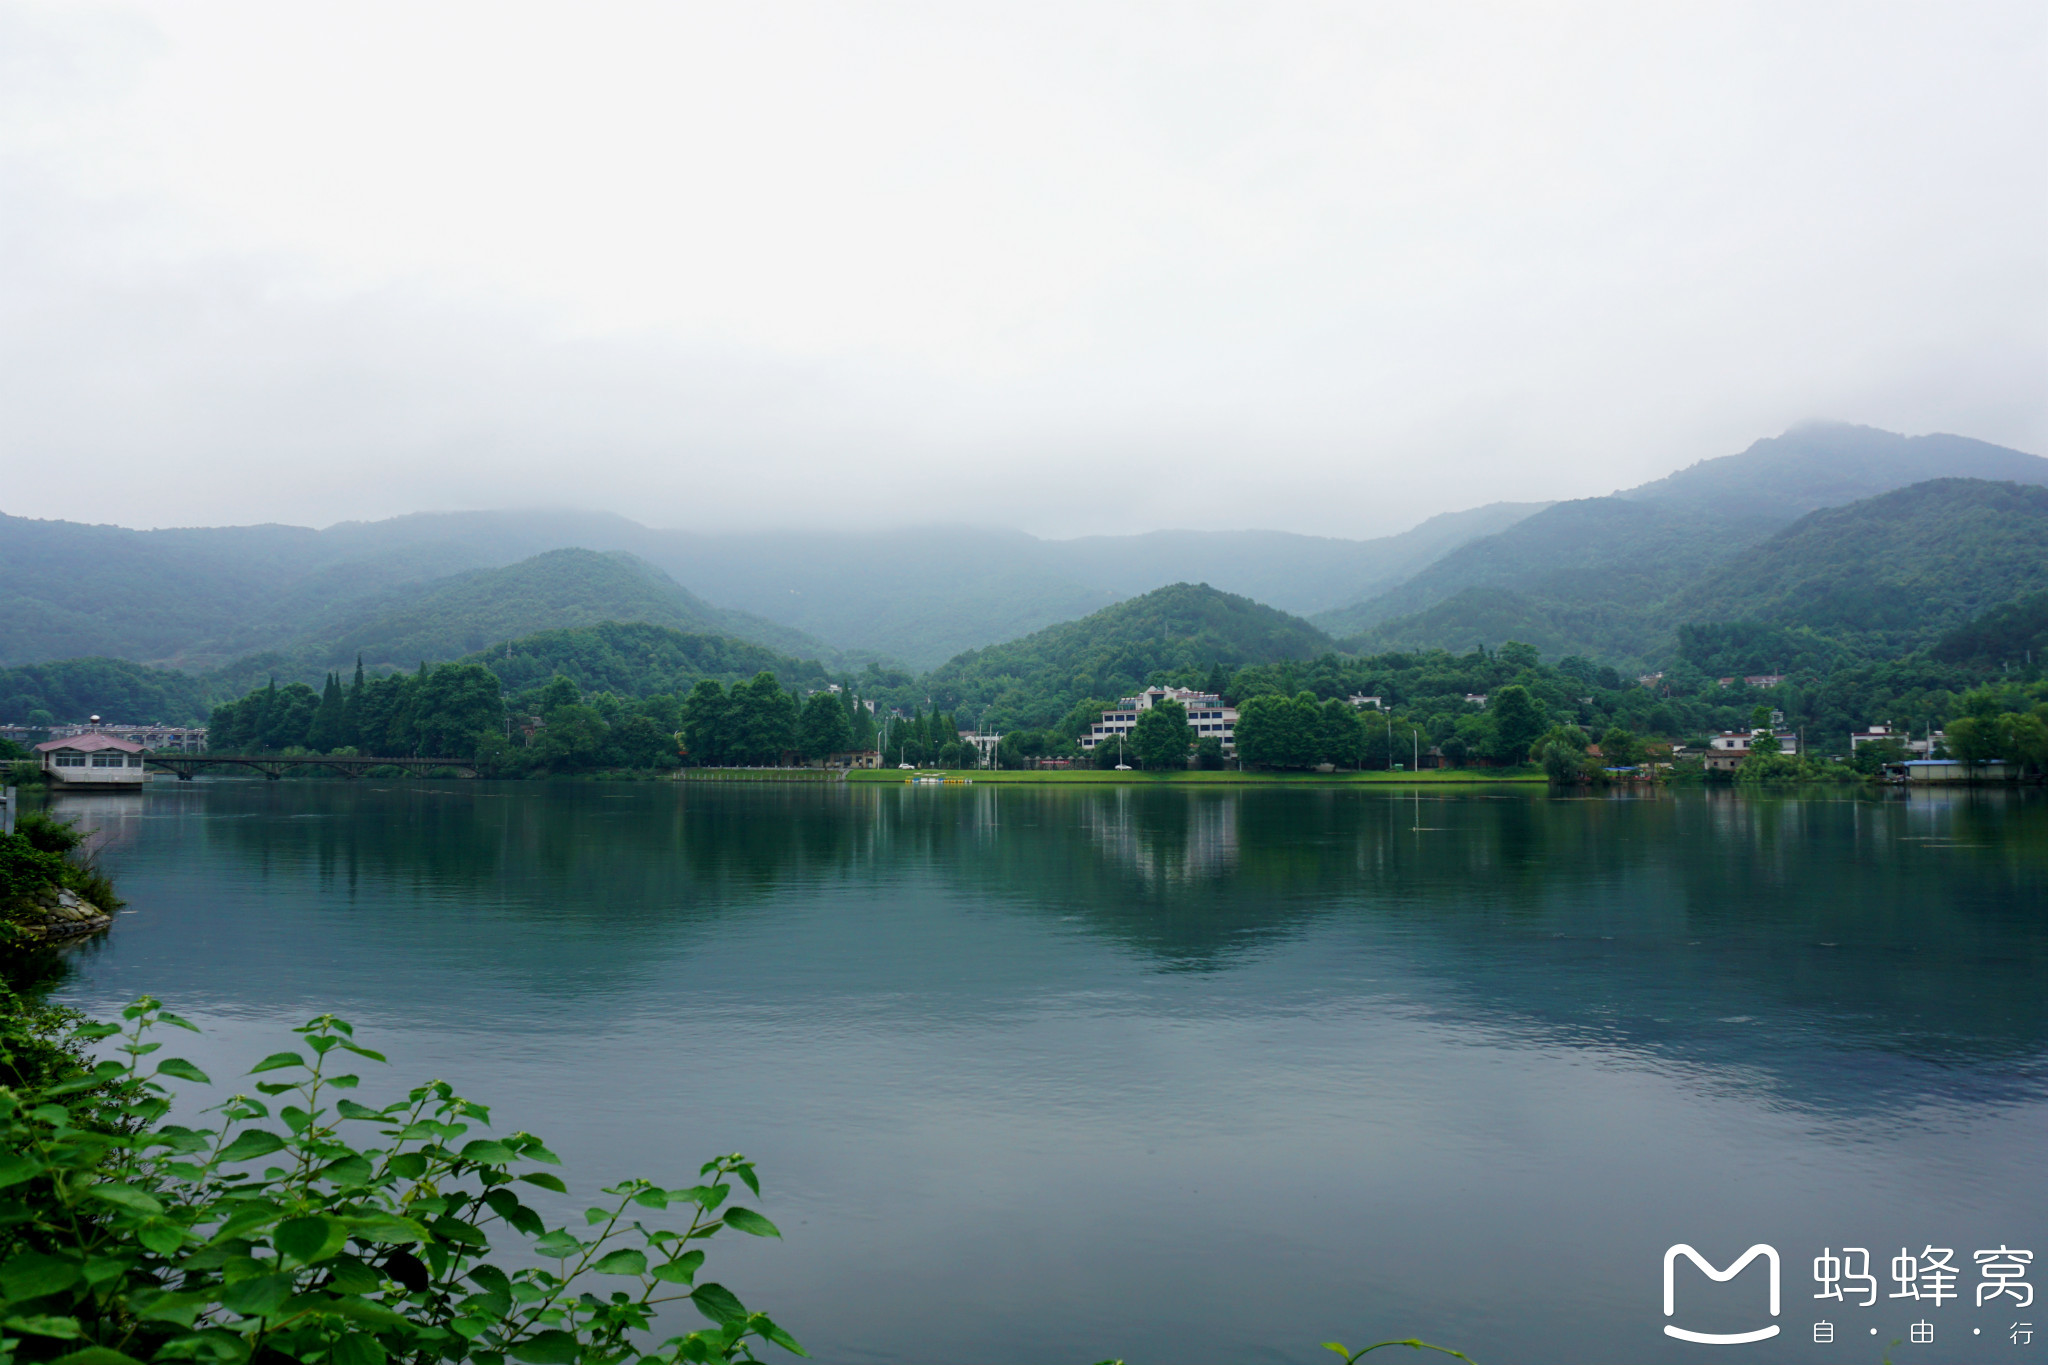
{"x":1208,"y":717}
{"x":181,"y":739}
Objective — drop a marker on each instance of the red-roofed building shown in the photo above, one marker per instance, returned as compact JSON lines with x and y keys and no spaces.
{"x":94,"y":760}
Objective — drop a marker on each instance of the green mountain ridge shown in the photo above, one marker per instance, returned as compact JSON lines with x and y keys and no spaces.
{"x":1185,"y":627}
{"x":1884,"y":575}
{"x":450,"y":617}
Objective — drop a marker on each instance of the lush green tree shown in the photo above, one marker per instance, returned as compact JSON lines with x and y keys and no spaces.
{"x":825,"y":729}
{"x":1562,"y":752}
{"x":1279,"y":732}
{"x":1340,"y":734}
{"x":1161,"y":736}
{"x":287,"y":715}
{"x":457,"y":705}
{"x":576,"y":738}
{"x":1517,"y":656}
{"x":764,"y":720}
{"x":1516,"y":722}
{"x":1620,"y":748}
{"x":706,"y":724}
{"x":559,"y":691}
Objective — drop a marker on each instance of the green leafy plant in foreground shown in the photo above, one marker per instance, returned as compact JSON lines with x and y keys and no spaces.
{"x":1350,"y":1356}
{"x":278,"y":1235}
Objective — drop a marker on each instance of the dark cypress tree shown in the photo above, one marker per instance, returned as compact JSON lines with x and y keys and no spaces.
{"x":352,"y":709}
{"x":325,"y":733}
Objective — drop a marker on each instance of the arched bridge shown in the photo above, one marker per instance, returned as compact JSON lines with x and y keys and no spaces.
{"x":274,"y":766}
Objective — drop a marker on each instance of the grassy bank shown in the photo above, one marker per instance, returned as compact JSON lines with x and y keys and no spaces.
{"x":1432,"y":777}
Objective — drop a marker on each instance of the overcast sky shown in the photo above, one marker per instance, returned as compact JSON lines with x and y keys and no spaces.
{"x":1069,"y":267}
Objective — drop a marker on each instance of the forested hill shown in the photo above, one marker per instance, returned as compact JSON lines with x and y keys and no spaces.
{"x":1188,"y":629}
{"x":1893,"y":572}
{"x":635,"y":659}
{"x":1886,"y":574}
{"x":1588,"y":576}
{"x":450,"y":617}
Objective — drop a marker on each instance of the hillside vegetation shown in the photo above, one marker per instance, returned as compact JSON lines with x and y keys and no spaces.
{"x":2016,"y":632}
{"x":1185,"y":627}
{"x":1602,"y":576}
{"x":1894,"y":571}
{"x":450,"y":617}
{"x":1885,"y":574}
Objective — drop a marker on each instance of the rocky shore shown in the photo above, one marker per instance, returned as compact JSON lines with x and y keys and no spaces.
{"x":54,"y":914}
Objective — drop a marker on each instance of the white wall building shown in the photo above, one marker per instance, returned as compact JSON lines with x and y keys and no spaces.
{"x":1726,"y":750}
{"x":1208,"y":717}
{"x":1921,"y":747}
{"x":93,"y":760}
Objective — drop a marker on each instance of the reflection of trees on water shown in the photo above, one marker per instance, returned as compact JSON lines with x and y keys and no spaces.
{"x":1728,"y":929}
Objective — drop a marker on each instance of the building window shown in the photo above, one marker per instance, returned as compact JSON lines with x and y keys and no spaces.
{"x":71,"y":760}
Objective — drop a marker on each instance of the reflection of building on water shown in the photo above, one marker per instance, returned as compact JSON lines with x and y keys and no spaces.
{"x":108,"y":819}
{"x":1195,"y":840}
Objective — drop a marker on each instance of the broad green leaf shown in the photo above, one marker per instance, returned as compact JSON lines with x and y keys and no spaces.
{"x":183,"y":1070}
{"x":350,"y":1170}
{"x":277,"y":1061}
{"x":682,"y":1270}
{"x":31,"y":1274}
{"x":362,"y":1310}
{"x":530,"y":1147}
{"x":251,"y":1143}
{"x":44,"y":1325}
{"x":557,"y":1245}
{"x":718,"y":1303}
{"x":552,"y":1347}
{"x":347,"y":1274}
{"x":545,"y":1181}
{"x":506,"y":1205}
{"x":408,"y":1165}
{"x":100,"y":1269}
{"x":126,"y":1196}
{"x":161,"y":1237}
{"x":307,"y":1240}
{"x":746,"y":1220}
{"x":258,"y":1297}
{"x":349,"y":1109}
{"x":366,"y":1052}
{"x":775,"y":1334}
{"x":384,"y":1227}
{"x":625,"y":1261}
{"x":357,"y":1348}
{"x":486,"y":1152}
{"x":165,"y":1306}
{"x":16,"y":1168}
{"x":96,"y":1355}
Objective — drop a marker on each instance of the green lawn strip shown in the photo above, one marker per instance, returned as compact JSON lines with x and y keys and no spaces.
{"x":1432,"y":777}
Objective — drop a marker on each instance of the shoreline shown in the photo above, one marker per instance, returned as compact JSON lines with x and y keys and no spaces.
{"x":1224,"y":777}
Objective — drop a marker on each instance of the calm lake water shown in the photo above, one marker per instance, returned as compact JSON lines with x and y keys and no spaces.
{"x":1054,"y":1074}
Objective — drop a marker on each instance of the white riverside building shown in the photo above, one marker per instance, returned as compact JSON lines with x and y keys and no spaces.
{"x":1208,"y":717}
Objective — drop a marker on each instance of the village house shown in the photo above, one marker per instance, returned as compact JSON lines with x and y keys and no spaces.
{"x":1923,"y":747}
{"x":1726,"y":750}
{"x":1208,"y":717}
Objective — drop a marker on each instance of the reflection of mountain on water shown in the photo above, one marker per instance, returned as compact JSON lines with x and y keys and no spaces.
{"x":1795,"y":941}
{"x":1736,"y":934}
